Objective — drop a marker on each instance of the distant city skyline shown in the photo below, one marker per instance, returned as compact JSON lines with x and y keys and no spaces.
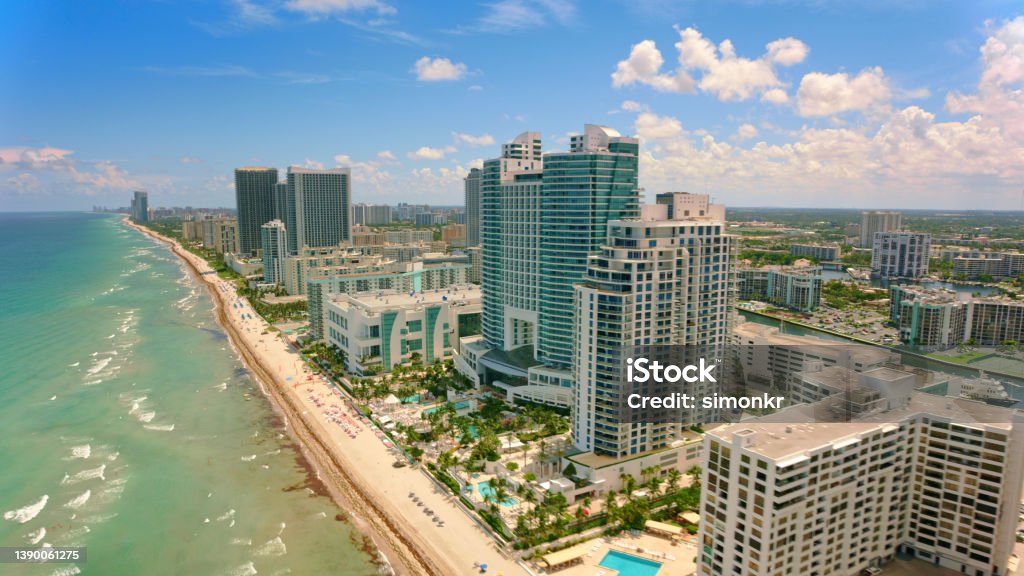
{"x":854,"y":105}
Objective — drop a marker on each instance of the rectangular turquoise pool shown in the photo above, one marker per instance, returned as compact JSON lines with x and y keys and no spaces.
{"x":629,"y":565}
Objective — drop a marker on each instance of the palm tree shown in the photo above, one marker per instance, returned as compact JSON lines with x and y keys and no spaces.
{"x":673,"y":480}
{"x":694,"y":473}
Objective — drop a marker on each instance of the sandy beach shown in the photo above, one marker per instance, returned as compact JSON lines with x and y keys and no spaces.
{"x":348,"y":454}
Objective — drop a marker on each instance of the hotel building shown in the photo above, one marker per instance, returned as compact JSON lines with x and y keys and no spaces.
{"x":319,"y":208}
{"x":657,"y":281}
{"x":542,"y":215}
{"x":387,"y":328}
{"x":930,"y":477}
{"x":362,"y":273}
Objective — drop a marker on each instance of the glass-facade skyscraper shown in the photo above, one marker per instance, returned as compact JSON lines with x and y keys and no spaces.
{"x":473,"y":183}
{"x":541,"y":216}
{"x":596,"y":181}
{"x":254,"y":199}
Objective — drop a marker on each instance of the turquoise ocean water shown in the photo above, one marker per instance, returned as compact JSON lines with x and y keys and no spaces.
{"x":128,"y":425}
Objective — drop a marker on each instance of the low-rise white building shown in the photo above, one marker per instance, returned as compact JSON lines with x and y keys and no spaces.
{"x":387,"y":328}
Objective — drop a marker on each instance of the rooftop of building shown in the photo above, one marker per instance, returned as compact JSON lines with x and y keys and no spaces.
{"x":384,"y":300}
{"x":792,"y":432}
{"x":769,"y":335}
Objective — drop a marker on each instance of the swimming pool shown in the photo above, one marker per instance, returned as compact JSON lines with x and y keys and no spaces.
{"x":629,"y":565}
{"x":462,"y":405}
{"x":488,"y":493}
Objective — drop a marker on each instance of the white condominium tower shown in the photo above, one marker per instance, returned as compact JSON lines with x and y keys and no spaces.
{"x":878,"y":221}
{"x":937,"y":478}
{"x":274,"y":239}
{"x":900,"y":254}
{"x":658,"y":280}
{"x":319,"y":208}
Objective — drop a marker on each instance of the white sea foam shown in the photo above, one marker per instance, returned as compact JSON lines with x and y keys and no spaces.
{"x":86,"y":475}
{"x":35,"y":536}
{"x":99,"y":365}
{"x":113,"y":456}
{"x":249,"y":458}
{"x":243,"y":570}
{"x":74,"y":534}
{"x":226,"y":516}
{"x":74,"y":365}
{"x":83,"y":451}
{"x":66,"y":571}
{"x":160,"y":427}
{"x":79,"y":501}
{"x":242,"y":541}
{"x":146,"y":416}
{"x":272,"y":548}
{"x":98,"y":519}
{"x":222,"y":386}
{"x":93,"y":382}
{"x":26,"y":513}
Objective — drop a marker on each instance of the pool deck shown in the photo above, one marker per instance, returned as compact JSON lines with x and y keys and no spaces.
{"x":684,"y":554}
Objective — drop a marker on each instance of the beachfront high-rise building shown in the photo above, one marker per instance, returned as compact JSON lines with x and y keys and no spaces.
{"x":934,"y":478}
{"x":140,"y":206}
{"x":900,"y":254}
{"x":657,"y":281}
{"x":472,"y":185}
{"x":542,"y":215}
{"x":319,"y":208}
{"x":878,"y":221}
{"x":221,"y":235}
{"x":585,"y":188}
{"x":274,"y":239}
{"x":254,"y":199}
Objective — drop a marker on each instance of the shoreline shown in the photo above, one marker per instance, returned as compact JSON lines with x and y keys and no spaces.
{"x":328,"y":471}
{"x":357,"y":468}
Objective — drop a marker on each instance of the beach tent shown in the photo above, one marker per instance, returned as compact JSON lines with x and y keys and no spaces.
{"x":391,"y":402}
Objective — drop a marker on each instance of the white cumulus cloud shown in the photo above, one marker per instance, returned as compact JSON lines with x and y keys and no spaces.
{"x":482,"y":140}
{"x":827,"y":94}
{"x":644,"y":67}
{"x":438,"y":69}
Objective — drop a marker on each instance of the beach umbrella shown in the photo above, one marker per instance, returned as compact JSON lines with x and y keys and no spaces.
{"x":483,"y":567}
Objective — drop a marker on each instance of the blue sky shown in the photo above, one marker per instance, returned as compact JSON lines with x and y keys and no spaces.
{"x":846,"y":104}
